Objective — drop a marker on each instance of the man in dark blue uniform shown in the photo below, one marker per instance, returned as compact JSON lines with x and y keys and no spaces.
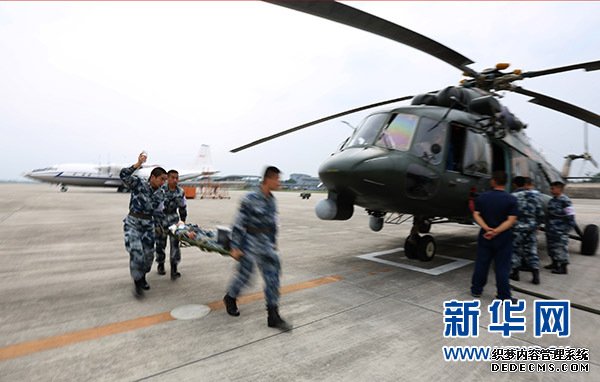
{"x":146,"y":201}
{"x":496,"y":212}
{"x":254,"y":242}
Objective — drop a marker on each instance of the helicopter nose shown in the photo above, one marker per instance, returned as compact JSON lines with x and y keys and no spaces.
{"x":353,"y":168}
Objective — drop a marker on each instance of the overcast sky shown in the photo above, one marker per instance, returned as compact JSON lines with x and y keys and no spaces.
{"x":100,"y":81}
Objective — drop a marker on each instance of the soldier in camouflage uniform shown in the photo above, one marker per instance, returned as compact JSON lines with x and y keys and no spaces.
{"x":174,"y":201}
{"x":531,"y":213}
{"x":254,"y":242}
{"x":146,"y":202}
{"x":561,"y":218}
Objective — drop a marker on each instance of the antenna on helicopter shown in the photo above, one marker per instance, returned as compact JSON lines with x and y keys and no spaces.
{"x":349,"y":125}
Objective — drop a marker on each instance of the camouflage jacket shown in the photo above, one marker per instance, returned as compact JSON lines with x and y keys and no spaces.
{"x":561,"y":214}
{"x":144,"y":199}
{"x":531,"y":210}
{"x":256,"y":217}
{"x":175,"y":206}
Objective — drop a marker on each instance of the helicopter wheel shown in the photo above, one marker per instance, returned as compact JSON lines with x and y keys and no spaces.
{"x":410,"y":248}
{"x":426,"y":248}
{"x":589,"y":240}
{"x":63,"y":188}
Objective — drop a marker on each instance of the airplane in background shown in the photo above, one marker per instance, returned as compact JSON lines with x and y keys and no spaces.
{"x":94,"y":175}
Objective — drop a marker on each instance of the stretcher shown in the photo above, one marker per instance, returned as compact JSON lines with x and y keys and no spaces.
{"x":191,"y":235}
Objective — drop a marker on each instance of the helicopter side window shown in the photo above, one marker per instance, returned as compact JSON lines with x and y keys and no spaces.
{"x":537,"y":176}
{"x":399,"y":132}
{"x":429,"y":140}
{"x":519,"y":164}
{"x":368,"y":131}
{"x":478,"y":155}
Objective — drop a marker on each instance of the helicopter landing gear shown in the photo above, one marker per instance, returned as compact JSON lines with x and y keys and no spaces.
{"x":425,"y":226}
{"x":419,"y":247}
{"x":410,"y":247}
{"x":63,"y":188}
{"x":589,"y":240}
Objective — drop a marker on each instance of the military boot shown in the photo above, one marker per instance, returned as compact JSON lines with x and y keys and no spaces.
{"x":536,"y":276}
{"x":560,"y":269}
{"x":275,"y":321}
{"x":231,"y":305}
{"x":174,"y":274}
{"x":551,"y":266}
{"x":144,"y":283}
{"x":161,"y":269}
{"x":138,"y":291}
{"x":515,"y":275}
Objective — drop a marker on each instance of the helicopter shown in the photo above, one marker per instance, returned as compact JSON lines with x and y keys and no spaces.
{"x":428,"y":161}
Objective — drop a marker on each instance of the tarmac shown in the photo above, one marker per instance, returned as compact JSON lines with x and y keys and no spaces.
{"x":68,"y":314}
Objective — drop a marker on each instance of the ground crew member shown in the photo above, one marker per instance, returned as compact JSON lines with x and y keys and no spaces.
{"x":146,"y":201}
{"x":531,"y":213}
{"x":495,"y":211}
{"x":175,"y":211}
{"x":561,"y":218}
{"x":254,"y":241}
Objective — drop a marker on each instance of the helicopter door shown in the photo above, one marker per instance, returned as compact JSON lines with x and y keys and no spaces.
{"x":456,"y":148}
{"x":468,"y":168}
{"x":499,"y":158}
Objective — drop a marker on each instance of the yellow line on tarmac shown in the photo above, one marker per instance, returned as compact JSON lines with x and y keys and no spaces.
{"x":29,"y":347}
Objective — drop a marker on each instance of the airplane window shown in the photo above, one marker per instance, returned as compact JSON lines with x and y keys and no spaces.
{"x":399,"y":132}
{"x":369,"y":130}
{"x":430,"y":133}
{"x":478,"y":155}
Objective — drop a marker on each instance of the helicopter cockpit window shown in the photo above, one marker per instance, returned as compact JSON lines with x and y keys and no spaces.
{"x":368,"y":131}
{"x":429,"y":140}
{"x":399,"y":132}
{"x":478,"y":155}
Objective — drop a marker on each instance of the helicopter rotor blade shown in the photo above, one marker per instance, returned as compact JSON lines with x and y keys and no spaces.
{"x":588,"y":66}
{"x":561,"y":106}
{"x":305,"y":125}
{"x":344,"y":14}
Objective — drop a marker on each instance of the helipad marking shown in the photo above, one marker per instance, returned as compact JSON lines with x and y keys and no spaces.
{"x":455,"y":264}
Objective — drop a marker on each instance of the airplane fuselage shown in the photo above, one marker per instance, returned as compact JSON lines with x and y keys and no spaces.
{"x":82,"y":175}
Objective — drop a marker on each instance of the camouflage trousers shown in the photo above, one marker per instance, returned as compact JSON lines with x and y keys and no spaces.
{"x":161,"y":244}
{"x":558,"y":246}
{"x":266,"y":258}
{"x":525,"y":249}
{"x":139,"y":242}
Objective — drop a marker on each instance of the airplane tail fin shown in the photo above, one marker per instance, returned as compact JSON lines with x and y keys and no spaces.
{"x":203,"y":161}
